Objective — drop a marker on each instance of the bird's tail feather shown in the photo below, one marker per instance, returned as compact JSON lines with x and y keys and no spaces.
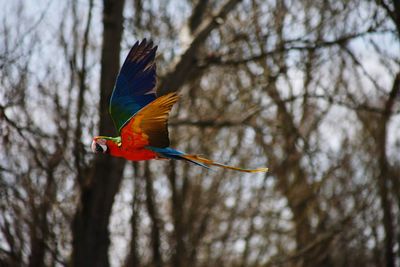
{"x":170,"y":153}
{"x":199,"y":159}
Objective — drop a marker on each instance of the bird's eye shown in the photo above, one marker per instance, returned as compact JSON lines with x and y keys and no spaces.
{"x":99,"y":149}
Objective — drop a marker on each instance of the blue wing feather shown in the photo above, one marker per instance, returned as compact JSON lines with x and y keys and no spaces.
{"x":136,"y":83}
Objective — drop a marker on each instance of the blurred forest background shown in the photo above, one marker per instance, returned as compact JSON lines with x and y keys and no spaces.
{"x":309,"y":88}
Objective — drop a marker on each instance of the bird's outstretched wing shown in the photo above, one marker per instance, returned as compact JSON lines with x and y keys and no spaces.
{"x":136,"y":83}
{"x":149,"y":126}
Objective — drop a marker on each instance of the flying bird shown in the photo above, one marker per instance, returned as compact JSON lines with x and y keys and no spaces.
{"x":141,"y":117}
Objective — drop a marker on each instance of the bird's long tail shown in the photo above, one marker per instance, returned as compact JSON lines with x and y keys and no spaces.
{"x":198,"y":160}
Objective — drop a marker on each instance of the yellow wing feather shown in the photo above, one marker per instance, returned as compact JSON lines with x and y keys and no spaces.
{"x":152,"y":120}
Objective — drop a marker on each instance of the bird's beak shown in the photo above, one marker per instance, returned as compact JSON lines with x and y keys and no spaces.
{"x":99,"y":147}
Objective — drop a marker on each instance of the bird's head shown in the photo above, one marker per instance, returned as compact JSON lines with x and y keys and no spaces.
{"x":99,"y":145}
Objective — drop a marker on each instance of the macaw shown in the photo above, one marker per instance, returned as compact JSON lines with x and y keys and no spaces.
{"x":141,"y":117}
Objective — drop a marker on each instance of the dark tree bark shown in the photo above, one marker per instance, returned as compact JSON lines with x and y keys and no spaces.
{"x":197,"y":15}
{"x":40,"y":229}
{"x":99,"y":186}
{"x":179,"y":253}
{"x":132,"y":258}
{"x":153,"y":214}
{"x":384,"y":175}
{"x":188,"y":68}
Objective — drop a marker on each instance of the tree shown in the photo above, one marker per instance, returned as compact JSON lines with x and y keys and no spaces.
{"x":308,"y":88}
{"x":100,"y":184}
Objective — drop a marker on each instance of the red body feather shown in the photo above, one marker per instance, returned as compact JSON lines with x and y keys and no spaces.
{"x":133,"y":142}
{"x":134,"y":154}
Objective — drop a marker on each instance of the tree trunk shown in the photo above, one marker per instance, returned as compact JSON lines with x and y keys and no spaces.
{"x":133,"y":258}
{"x":99,"y":186}
{"x":153,"y":214}
{"x":384,"y":175}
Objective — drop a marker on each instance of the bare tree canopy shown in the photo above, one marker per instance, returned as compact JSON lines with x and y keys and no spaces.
{"x":310,"y":89}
